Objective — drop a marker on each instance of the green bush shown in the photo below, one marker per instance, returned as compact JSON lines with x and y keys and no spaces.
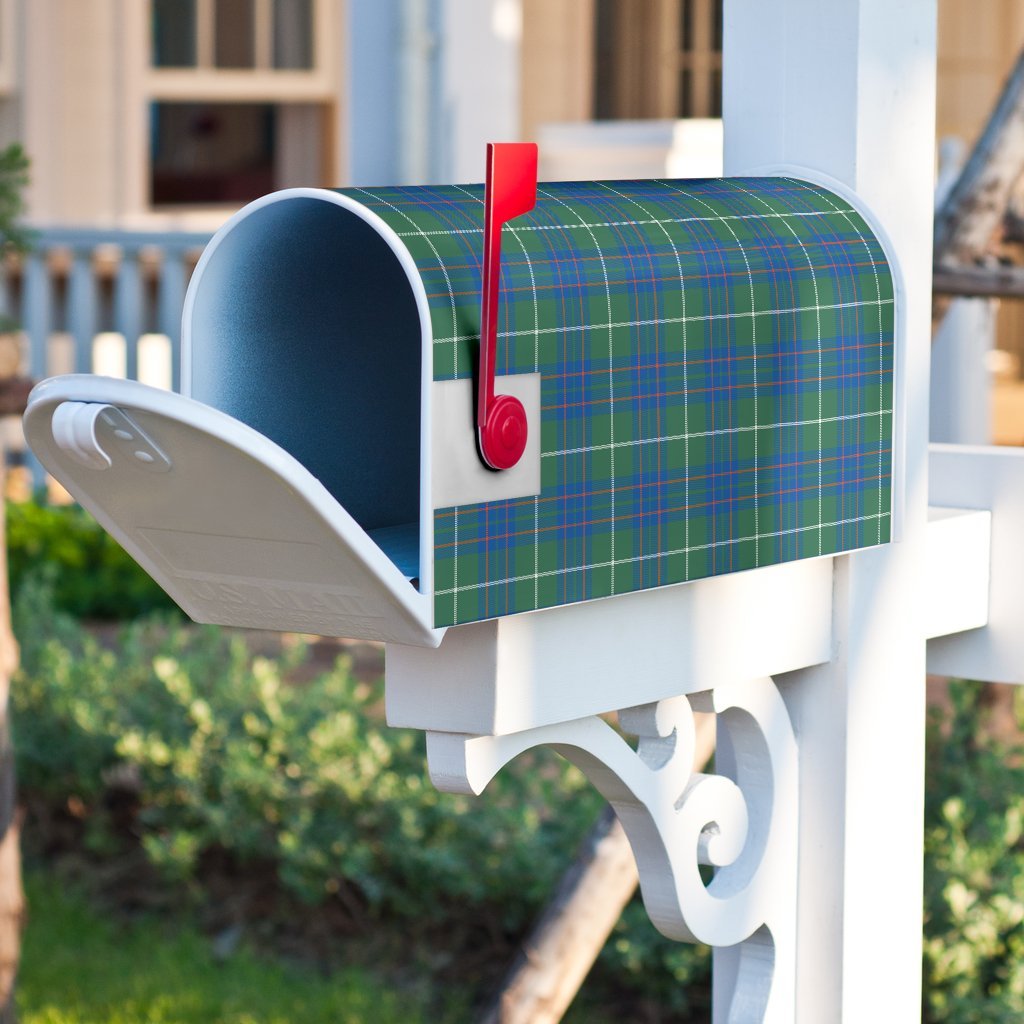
{"x":90,"y":573}
{"x":974,"y":869}
{"x":225,"y":755}
{"x":228,"y":757}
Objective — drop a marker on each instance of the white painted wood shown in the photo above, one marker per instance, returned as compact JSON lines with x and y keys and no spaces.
{"x":848,"y":89}
{"x":677,"y":820}
{"x":562,"y":946}
{"x":228,"y":523}
{"x":460,"y":476}
{"x":382,"y":45}
{"x":986,"y":478}
{"x":478,"y":82}
{"x":956,"y":587}
{"x":415,"y":56}
{"x":505,"y":675}
{"x":588,"y":150}
{"x":960,"y":411}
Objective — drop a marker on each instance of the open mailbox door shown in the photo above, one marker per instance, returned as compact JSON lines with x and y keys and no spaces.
{"x":236,"y":530}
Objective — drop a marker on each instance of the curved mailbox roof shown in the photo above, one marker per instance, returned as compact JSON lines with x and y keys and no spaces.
{"x":716,"y":361}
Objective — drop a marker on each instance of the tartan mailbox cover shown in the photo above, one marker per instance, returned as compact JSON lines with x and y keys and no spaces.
{"x":706,"y":367}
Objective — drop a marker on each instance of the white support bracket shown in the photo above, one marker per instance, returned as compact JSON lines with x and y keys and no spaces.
{"x":495,"y":689}
{"x":544,"y":679}
{"x":743,"y":822}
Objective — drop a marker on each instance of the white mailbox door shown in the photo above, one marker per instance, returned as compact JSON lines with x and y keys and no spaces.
{"x":231,"y":526}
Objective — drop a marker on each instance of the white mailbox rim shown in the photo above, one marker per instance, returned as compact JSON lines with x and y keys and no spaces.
{"x":190,"y":329}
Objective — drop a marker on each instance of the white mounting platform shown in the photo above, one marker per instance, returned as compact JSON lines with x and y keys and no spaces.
{"x":524,"y":671}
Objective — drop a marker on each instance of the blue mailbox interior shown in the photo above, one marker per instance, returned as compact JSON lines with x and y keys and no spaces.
{"x":304,"y":326}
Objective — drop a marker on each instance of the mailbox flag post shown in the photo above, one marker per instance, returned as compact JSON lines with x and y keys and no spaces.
{"x":510,"y":190}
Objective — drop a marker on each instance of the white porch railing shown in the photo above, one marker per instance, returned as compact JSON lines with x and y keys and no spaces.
{"x":102,"y":301}
{"x":99,"y":301}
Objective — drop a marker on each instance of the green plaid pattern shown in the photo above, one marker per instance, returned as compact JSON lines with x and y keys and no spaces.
{"x":716,"y":362}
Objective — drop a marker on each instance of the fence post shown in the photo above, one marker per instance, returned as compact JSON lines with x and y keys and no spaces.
{"x":36,"y":313}
{"x":961,"y":381}
{"x":82,"y":308}
{"x":170,"y":300}
{"x":128,"y":308}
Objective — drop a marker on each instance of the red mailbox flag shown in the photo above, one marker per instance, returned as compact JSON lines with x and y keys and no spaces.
{"x":511,"y":190}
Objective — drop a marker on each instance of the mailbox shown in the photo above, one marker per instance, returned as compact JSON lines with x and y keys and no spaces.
{"x":705,"y":368}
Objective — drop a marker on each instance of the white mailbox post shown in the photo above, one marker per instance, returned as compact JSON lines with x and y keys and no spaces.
{"x":707,"y":377}
{"x":850,"y":87}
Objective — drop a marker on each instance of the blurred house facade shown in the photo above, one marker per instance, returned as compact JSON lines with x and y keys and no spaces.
{"x":162,"y":113}
{"x":172,"y":113}
{"x":149,"y":122}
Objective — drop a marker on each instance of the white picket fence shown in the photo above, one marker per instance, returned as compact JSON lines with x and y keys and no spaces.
{"x":102,"y":301}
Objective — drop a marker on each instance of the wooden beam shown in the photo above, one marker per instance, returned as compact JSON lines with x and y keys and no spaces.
{"x":1001,"y":281}
{"x":976,"y":205}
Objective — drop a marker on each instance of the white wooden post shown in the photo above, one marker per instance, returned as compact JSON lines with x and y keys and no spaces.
{"x":961,"y":388}
{"x":961,"y":381}
{"x":848,"y":89}
{"x":479,"y":69}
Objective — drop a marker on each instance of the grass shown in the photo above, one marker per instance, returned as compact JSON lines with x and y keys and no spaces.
{"x":80,"y":968}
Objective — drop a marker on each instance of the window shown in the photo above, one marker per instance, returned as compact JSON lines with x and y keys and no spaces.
{"x":233,"y":34}
{"x":700,"y":58}
{"x":242,"y":98}
{"x":212,"y":152}
{"x":658,"y":58}
{"x":174,"y":33}
{"x":293,"y":34}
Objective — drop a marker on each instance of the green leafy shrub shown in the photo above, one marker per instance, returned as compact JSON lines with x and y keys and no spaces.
{"x":226,"y":755}
{"x":974,"y":869}
{"x":662,"y":973}
{"x":14,"y":236}
{"x":91,"y":575}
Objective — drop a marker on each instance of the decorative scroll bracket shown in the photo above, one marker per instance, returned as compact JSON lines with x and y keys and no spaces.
{"x":743,"y":822}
